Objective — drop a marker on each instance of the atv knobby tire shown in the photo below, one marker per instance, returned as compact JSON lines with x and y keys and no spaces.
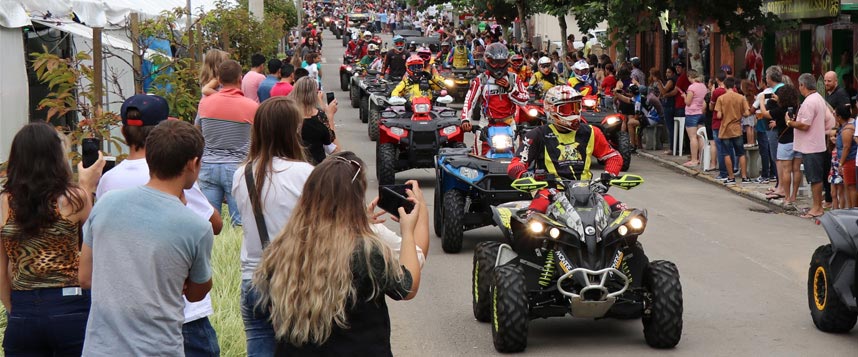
{"x":363,"y":112}
{"x":454,"y":209}
{"x":372,"y":128}
{"x":354,"y":94}
{"x":485,"y":256}
{"x":510,"y":314}
{"x":344,"y":81}
{"x":662,"y":319}
{"x":625,"y":149}
{"x":386,"y":164}
{"x":828,"y":312}
{"x":437,"y":204}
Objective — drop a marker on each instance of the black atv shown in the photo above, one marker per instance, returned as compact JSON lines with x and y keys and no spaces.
{"x":348,"y":69}
{"x":362,"y":85}
{"x":831,"y":285}
{"x":579,"y":258}
{"x":376,"y":101}
{"x":611,"y":124}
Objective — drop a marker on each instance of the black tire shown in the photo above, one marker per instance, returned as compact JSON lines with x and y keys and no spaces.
{"x":373,"y":110}
{"x":625,"y":149}
{"x":828,"y":312}
{"x":354,"y":95}
{"x":485,"y":255}
{"x":454,"y":210}
{"x":372,"y":125}
{"x":344,"y":81}
{"x":663,"y":324}
{"x":437,"y":218}
{"x":386,"y":163}
{"x":509,"y":309}
{"x":458,"y":145}
{"x":364,"y":108}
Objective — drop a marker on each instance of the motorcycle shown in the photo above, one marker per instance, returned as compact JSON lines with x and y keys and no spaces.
{"x":831,"y":284}
{"x":611,"y":125}
{"x":410,"y":140}
{"x":578,"y":258}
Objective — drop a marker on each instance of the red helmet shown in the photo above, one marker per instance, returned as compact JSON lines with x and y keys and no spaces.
{"x":414,"y":65}
{"x":563,"y":107}
{"x":516,"y":61}
{"x":425,"y":54}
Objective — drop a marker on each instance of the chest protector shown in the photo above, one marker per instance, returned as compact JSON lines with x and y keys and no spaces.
{"x":496,"y":102}
{"x":460,"y":57}
{"x":567,"y":155}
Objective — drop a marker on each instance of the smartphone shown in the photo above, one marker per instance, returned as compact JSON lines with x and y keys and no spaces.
{"x":89,"y":151}
{"x":391,"y":197}
{"x":791,"y":112}
{"x":768,"y":96}
{"x":330,"y":97}
{"x":109,"y":163}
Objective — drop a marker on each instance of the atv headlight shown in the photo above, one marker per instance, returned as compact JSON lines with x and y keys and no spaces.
{"x":348,"y":68}
{"x":554,"y":233}
{"x":536,"y":226}
{"x":623,"y":230}
{"x":449,"y":82}
{"x":589,"y":103}
{"x":501,"y":143}
{"x":469,"y":173}
{"x":421,"y":108}
{"x":611,"y":121}
{"x":397,"y":131}
{"x":636,"y":223}
{"x":532,"y":112}
{"x":449,"y":130}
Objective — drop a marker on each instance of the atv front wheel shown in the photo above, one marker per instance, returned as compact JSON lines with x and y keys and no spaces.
{"x":372,"y":125}
{"x":344,"y":81}
{"x":625,"y":149}
{"x":354,"y":95}
{"x":485,"y":255}
{"x":662,"y":319}
{"x":509,"y":309}
{"x":386,"y":164}
{"x":437,"y":212}
{"x":828,"y":312}
{"x":454,"y":209}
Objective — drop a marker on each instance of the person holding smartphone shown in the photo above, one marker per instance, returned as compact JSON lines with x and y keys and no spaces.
{"x":317,"y":131}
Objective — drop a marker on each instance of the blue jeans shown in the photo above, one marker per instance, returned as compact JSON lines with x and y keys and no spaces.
{"x":721,"y":149}
{"x":216,"y":183}
{"x":772,"y":135}
{"x":769,"y":169}
{"x":257,"y":328}
{"x":43,"y":322}
{"x":200,"y":339}
{"x":668,"y":122}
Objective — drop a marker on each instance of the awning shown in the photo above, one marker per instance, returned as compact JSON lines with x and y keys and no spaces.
{"x":77,"y":29}
{"x":92,"y":13}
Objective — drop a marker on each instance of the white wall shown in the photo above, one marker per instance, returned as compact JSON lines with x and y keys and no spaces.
{"x":548,"y":27}
{"x":14,"y":89}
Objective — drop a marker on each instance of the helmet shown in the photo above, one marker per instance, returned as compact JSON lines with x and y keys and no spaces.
{"x":367,"y":34}
{"x":582,"y":70}
{"x":398,"y":42}
{"x":516,"y":61}
{"x":424,"y":53}
{"x":497,"y":59}
{"x":544,"y":64}
{"x":372,"y":48}
{"x":563,"y":107}
{"x":445,"y":43}
{"x":644,"y":91}
{"x":414,"y":65}
{"x":460,"y":39}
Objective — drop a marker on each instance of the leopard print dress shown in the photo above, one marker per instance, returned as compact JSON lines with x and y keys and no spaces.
{"x":49,"y":259}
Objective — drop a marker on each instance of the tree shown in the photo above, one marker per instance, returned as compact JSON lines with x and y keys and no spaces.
{"x":624,"y":18}
{"x":284,"y":9}
{"x":559,"y":9}
{"x":235,"y":30}
{"x":503,"y":11}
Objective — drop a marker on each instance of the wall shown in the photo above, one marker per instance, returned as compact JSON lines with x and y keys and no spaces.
{"x":14,"y":94}
{"x":548,"y":27}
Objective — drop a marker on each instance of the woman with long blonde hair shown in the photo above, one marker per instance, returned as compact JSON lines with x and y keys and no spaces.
{"x":325,"y":277}
{"x":208,"y":73}
{"x":317,"y":131}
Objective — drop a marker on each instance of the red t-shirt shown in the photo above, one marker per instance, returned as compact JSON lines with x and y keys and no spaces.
{"x":608,"y":84}
{"x":281,"y":89}
{"x":682,"y":83}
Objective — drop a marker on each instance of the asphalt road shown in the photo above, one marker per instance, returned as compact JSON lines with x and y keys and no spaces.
{"x":743,"y":272}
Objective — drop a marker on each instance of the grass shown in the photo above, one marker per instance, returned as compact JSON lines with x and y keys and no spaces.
{"x":225,"y":293}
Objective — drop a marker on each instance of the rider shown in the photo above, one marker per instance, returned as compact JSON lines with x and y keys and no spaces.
{"x":546,"y":77}
{"x":441,"y":57}
{"x":581,"y":78}
{"x":564,"y":147}
{"x":497,"y":91}
{"x":518,"y":67}
{"x":426,"y":55}
{"x":377,"y":62}
{"x":410,"y":84}
{"x":362,"y":45}
{"x":394,"y":61}
{"x":372,"y":50}
{"x":459,"y":56}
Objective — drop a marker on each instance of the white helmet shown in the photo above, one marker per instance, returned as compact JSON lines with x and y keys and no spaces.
{"x":544,"y":60}
{"x":582,"y":70}
{"x":367,"y":34}
{"x":372,"y":47}
{"x":563,"y":107}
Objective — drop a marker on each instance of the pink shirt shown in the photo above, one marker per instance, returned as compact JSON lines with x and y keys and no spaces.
{"x":696,"y":105}
{"x":250,"y":84}
{"x":814,"y":112}
{"x":281,"y":89}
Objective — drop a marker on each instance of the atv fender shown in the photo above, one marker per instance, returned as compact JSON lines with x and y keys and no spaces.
{"x":505,"y":255}
{"x":378,"y":100}
{"x":502,"y":216}
{"x":842,"y":231}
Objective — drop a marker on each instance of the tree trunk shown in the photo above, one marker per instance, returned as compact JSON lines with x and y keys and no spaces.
{"x":562,"y":20}
{"x":522,"y":21}
{"x":693,"y":45}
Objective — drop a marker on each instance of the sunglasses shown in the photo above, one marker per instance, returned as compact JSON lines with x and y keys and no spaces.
{"x":357,"y":165}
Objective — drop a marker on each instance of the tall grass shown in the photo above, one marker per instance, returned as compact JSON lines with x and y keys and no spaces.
{"x":225,"y":293}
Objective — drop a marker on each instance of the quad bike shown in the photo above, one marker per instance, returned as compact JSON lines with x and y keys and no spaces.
{"x":533,"y":112}
{"x":375,"y":101}
{"x":458,"y":82}
{"x":579,"y":258}
{"x":831,"y":285}
{"x":411,"y":139}
{"x":347,"y":70}
{"x":611,"y":125}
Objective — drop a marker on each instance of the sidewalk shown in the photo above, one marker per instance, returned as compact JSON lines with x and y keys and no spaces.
{"x":752,"y":190}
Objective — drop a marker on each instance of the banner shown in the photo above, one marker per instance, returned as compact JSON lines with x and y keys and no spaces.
{"x":787,"y":53}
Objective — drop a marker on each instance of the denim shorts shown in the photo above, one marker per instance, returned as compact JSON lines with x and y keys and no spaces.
{"x":736,"y":145}
{"x":691,"y":121}
{"x":814,"y":166}
{"x":785,"y":152}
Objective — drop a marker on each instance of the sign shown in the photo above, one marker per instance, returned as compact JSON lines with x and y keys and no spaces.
{"x":848,"y":5}
{"x":803,"y":9}
{"x":787,"y":53}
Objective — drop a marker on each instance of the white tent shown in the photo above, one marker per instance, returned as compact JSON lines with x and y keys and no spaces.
{"x":15,"y":14}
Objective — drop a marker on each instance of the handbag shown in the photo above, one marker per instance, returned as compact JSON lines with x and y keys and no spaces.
{"x":257,"y":208}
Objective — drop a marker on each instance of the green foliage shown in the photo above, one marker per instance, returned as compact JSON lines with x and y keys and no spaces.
{"x":183,"y":95}
{"x":282,"y":9}
{"x":225,"y":293}
{"x":233,"y":29}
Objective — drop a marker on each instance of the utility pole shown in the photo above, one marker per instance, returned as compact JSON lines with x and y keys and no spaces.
{"x":257,"y":9}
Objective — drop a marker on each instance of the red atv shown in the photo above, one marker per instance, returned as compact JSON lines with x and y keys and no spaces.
{"x":611,"y":124}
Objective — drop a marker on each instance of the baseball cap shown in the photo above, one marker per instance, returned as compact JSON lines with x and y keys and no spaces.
{"x":727,"y":69}
{"x":153,"y":110}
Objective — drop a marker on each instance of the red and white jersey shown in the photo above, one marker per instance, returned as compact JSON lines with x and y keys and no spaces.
{"x":497,"y":102}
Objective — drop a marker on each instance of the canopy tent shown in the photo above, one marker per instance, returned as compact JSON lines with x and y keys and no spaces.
{"x":92,"y":13}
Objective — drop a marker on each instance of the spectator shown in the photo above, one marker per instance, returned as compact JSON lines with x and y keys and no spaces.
{"x":708,"y":112}
{"x":274,"y":67}
{"x":694,"y":115}
{"x":225,"y":120}
{"x":140,"y":114}
{"x":313,"y":69}
{"x":155,"y":226}
{"x":309,"y":47}
{"x":345,"y":312}
{"x":608,"y":85}
{"x":299,"y":73}
{"x":209,"y":72}
{"x":775,"y":80}
{"x":317,"y":130}
{"x":287,"y":78}
{"x":668,"y":91}
{"x":789,"y":161}
{"x":810,"y":124}
{"x":749,"y":90}
{"x":682,"y":83}
{"x":637,"y":73}
{"x":250,"y":82}
{"x":835,"y":95}
{"x":731,"y":106}
{"x":40,"y":214}
{"x":843,"y":152}
{"x":280,"y":171}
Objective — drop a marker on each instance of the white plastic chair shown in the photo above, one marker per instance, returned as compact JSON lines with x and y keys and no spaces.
{"x":706,"y":155}
{"x":678,"y":135}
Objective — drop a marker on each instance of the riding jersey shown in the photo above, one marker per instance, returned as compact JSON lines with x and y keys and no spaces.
{"x":394,"y":63}
{"x":498,"y":103}
{"x":565,"y":155}
{"x":376,"y":64}
{"x":585,"y":88}
{"x":524,"y":73}
{"x":460,"y":57}
{"x":547,"y":81}
{"x":409,"y":88}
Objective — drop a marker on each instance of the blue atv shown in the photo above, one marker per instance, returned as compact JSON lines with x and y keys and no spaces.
{"x":469,"y":185}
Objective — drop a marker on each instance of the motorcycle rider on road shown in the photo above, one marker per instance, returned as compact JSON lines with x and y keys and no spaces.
{"x":517,"y":66}
{"x":460,"y":57}
{"x":394,"y":61}
{"x":498,"y":92}
{"x":426,"y":55}
{"x":367,"y":60}
{"x":581,"y":80}
{"x":546,"y":78}
{"x":409,"y":87}
{"x":361,"y":47}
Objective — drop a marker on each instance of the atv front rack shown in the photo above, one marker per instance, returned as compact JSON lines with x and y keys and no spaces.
{"x":582,"y":306}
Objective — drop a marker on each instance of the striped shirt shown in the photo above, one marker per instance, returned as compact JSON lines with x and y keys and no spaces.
{"x":225,"y":120}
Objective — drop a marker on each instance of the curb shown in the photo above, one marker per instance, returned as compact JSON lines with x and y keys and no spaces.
{"x":776,"y":205}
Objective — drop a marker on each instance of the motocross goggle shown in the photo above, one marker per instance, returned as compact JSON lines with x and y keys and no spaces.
{"x":399,"y":44}
{"x":567,"y":109}
{"x":426,"y":57}
{"x":516,"y":63}
{"x":545,"y":65}
{"x":415,"y":68}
